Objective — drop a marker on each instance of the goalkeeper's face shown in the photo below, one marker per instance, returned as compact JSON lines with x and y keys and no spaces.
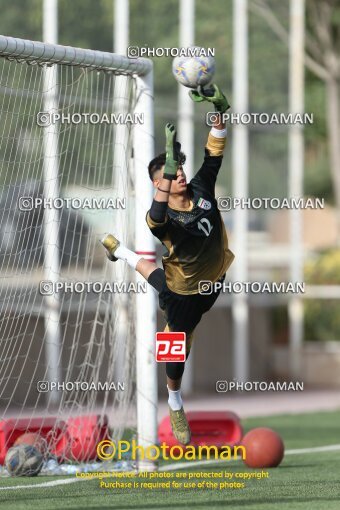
{"x":178,"y":185}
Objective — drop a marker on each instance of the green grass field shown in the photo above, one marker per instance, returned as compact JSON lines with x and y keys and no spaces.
{"x":304,"y":481}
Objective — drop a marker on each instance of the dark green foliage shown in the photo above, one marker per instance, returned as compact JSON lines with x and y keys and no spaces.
{"x":322,"y":319}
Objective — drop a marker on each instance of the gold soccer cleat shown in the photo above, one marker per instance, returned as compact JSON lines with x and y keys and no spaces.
{"x":110,"y":243}
{"x":180,"y":426}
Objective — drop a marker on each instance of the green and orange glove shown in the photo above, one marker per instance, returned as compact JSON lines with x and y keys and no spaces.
{"x":213,"y":95}
{"x":172,"y":149}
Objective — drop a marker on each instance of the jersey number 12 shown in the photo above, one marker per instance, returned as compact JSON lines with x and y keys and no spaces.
{"x":205,"y":225}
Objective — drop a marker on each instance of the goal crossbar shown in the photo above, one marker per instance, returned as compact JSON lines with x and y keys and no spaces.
{"x":43,"y":53}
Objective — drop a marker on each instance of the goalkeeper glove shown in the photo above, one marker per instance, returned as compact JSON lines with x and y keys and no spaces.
{"x":172,"y":149}
{"x":213,"y":95}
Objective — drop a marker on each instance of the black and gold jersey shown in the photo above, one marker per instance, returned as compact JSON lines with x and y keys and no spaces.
{"x":195,"y":238}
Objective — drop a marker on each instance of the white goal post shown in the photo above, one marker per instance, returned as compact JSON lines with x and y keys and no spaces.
{"x":63,"y":158}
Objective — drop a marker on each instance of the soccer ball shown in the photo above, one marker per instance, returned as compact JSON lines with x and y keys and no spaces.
{"x":193,"y":71}
{"x":33,"y":439}
{"x":23,"y":460}
{"x":264,"y":448}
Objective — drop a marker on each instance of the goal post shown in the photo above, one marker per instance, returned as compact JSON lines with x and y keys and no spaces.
{"x":147,"y":389}
{"x":57,"y":165}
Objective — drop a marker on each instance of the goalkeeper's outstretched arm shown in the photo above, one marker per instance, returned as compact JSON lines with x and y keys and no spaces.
{"x":160,"y":203}
{"x":214,"y":148}
{"x":217,"y":137}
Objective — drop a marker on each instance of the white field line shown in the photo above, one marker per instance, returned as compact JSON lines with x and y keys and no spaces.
{"x":182,"y":465}
{"x":172,"y":467}
{"x":53,"y":483}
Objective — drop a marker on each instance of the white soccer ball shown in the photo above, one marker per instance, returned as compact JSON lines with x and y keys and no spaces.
{"x":23,"y":460}
{"x":193,"y":71}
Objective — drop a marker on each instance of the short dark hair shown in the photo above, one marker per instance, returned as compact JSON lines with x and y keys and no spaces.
{"x":159,"y":161}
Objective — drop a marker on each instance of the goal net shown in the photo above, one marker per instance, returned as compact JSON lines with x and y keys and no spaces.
{"x":68,"y":317}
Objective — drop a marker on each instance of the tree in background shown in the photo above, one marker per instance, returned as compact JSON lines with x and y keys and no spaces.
{"x":89,"y":24}
{"x":322,"y":319}
{"x":322,"y":58}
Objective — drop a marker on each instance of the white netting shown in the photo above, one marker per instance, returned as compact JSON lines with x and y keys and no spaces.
{"x":66,"y":336}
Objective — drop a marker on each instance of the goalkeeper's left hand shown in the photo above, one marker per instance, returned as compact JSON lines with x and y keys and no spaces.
{"x":213,"y":95}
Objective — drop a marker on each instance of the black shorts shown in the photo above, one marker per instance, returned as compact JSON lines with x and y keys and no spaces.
{"x":184,"y":312}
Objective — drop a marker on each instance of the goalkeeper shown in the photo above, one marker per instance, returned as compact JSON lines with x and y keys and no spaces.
{"x":186,"y":219}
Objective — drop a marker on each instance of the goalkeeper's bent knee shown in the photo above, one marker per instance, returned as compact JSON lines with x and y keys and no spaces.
{"x":174,"y":370}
